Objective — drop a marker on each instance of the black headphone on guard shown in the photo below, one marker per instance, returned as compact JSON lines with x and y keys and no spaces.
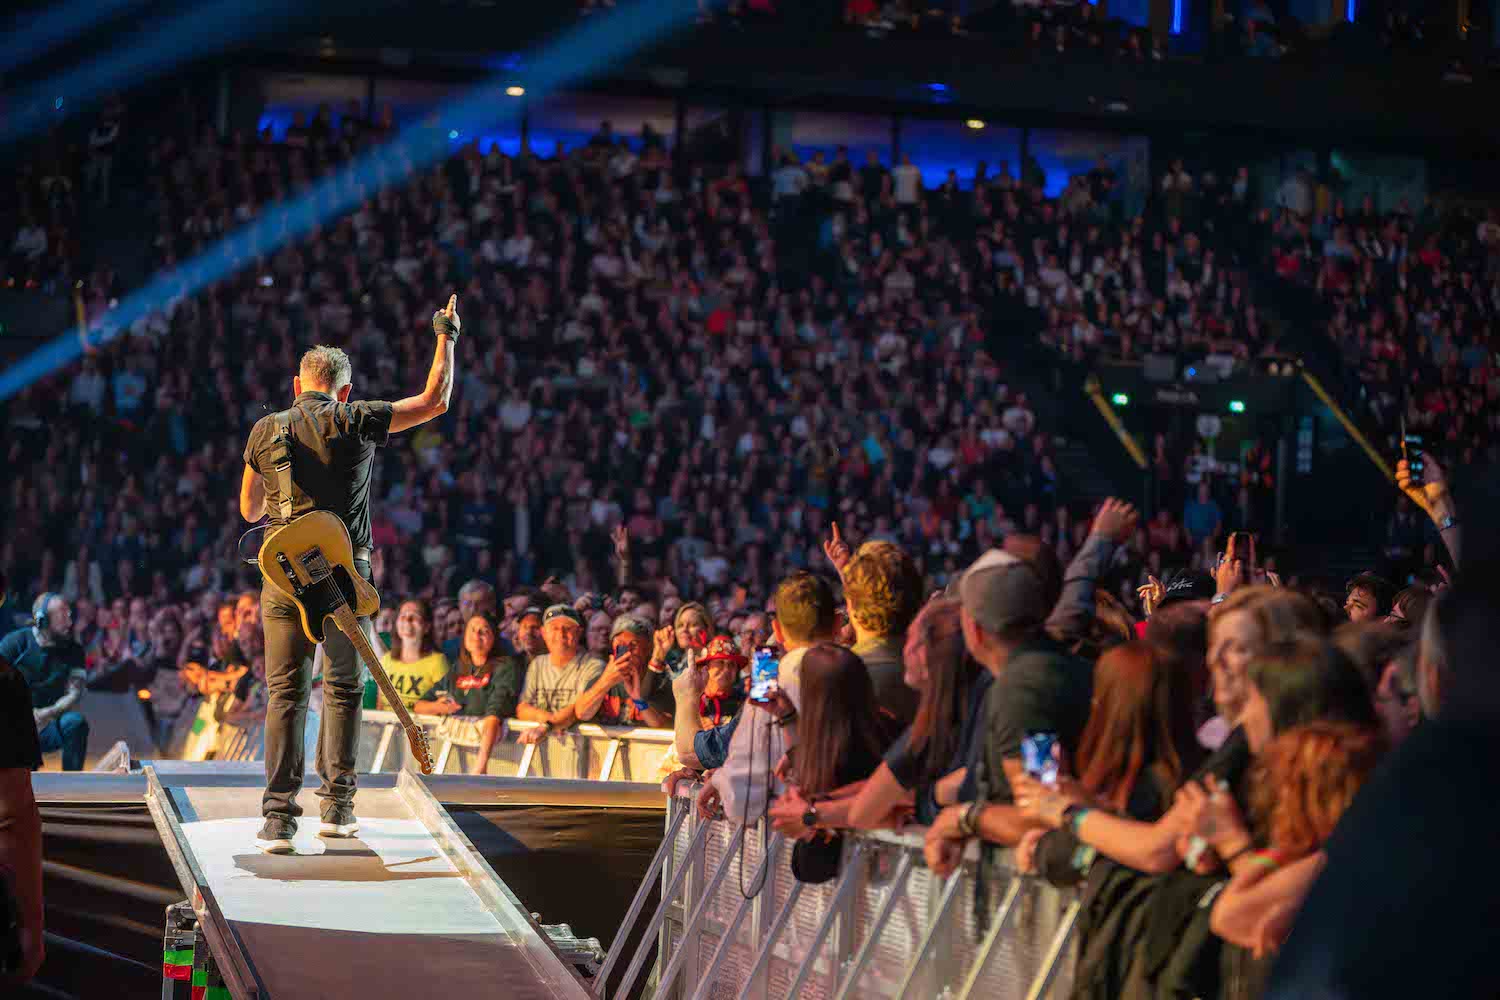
{"x":39,"y":609}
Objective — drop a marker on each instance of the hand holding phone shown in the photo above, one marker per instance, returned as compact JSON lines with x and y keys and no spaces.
{"x":764,"y":675}
{"x":1041,"y":757}
{"x":1412,"y":452}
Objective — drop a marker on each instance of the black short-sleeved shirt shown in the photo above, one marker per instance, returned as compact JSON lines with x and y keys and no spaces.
{"x":18,"y":741}
{"x":334,"y":448}
{"x":1042,"y":688}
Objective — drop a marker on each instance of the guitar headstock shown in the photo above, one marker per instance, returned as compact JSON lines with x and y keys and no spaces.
{"x":421,"y":749}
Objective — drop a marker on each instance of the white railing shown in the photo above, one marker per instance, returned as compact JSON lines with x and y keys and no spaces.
{"x":600,"y":753}
{"x":885,"y":927}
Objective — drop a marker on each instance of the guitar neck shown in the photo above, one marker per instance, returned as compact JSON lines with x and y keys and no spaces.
{"x":349,"y":625}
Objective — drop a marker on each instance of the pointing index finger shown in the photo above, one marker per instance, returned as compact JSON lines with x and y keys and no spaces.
{"x":452,"y":303}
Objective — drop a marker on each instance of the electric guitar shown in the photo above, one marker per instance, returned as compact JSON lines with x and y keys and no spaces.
{"x":311,"y":561}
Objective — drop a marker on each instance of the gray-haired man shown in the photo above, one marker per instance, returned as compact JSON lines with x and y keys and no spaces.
{"x":332,"y":451}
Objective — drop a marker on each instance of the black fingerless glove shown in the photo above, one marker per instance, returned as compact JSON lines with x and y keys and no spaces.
{"x":444,"y":325}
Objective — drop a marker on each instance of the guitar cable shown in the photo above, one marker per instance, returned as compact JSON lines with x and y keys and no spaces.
{"x":762,"y":822}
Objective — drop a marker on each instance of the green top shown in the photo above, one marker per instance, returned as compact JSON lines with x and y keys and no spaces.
{"x":493,"y":690}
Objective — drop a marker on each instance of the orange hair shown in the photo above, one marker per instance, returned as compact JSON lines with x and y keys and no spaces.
{"x":1306,"y":778}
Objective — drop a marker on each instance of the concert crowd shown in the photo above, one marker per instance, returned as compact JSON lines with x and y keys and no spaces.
{"x":701,"y":416}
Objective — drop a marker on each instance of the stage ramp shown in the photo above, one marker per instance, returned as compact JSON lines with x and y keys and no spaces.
{"x":405,"y":904}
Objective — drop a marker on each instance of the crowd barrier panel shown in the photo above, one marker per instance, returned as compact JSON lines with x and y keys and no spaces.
{"x":886,"y":926}
{"x":601,"y":753}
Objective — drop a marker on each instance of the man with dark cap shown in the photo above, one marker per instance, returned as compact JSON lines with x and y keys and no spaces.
{"x":528,"y":639}
{"x":556,"y":679}
{"x":1039,"y":687}
{"x":627,"y":693}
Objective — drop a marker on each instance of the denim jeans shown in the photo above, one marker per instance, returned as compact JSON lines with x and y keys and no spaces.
{"x":289,"y":662}
{"x":69,"y":733}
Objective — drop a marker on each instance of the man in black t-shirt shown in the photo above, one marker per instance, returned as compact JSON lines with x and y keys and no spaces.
{"x":332,"y":451}
{"x":1038,"y":687}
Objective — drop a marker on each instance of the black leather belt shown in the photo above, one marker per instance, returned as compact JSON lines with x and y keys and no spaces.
{"x":362,"y":553}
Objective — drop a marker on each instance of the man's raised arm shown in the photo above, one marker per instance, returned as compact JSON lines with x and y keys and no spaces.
{"x":433,"y":399}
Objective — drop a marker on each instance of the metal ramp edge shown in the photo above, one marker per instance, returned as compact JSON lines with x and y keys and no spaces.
{"x":549,"y":971}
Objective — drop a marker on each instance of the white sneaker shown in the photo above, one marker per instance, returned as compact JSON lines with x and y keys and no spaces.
{"x":275,"y":836}
{"x":332,"y":829}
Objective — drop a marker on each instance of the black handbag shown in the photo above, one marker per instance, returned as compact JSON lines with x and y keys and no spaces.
{"x":817,"y":861}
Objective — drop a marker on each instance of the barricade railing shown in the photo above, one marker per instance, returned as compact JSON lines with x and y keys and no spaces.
{"x":733,"y":922}
{"x":587,"y":750}
{"x":600,"y":753}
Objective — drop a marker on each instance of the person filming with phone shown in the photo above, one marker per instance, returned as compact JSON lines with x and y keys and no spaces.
{"x":1039,"y":688}
{"x":628,"y":693}
{"x":745,"y":784}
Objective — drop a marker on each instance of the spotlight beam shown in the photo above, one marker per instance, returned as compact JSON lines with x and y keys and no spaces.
{"x":582,"y":52}
{"x":154,"y":48}
{"x":27,"y":38}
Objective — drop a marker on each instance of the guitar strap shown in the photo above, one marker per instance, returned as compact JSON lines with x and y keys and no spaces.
{"x":281,"y":461}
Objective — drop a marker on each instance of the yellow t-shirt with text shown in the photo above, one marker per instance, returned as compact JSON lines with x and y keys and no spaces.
{"x":413,"y":678}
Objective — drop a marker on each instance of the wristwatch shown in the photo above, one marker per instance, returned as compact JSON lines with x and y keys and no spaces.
{"x":810,"y":817}
{"x":968,"y":820}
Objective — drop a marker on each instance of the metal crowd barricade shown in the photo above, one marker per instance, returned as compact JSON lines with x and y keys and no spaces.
{"x":601,"y":753}
{"x":884,"y":927}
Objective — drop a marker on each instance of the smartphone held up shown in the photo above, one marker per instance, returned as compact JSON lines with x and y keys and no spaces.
{"x":1041,"y":756}
{"x":764,"y":675}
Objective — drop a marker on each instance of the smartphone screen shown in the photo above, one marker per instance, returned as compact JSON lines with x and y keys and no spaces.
{"x":1039,"y":756}
{"x":1411,"y":445}
{"x":764,"y":675}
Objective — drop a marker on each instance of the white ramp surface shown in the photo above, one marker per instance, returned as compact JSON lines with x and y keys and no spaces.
{"x":367,"y":916}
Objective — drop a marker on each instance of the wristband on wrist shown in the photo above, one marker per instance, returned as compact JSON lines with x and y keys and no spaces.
{"x":640,"y":704}
{"x":1073,"y":818}
{"x":1235,"y":856}
{"x":786,"y":719}
{"x":1448,"y":522}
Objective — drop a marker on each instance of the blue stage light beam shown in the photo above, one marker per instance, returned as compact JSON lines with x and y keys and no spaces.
{"x":30,"y":36}
{"x":150,"y":51}
{"x":598,"y":42}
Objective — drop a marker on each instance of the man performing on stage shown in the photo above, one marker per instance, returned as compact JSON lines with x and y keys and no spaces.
{"x":332,"y":450}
